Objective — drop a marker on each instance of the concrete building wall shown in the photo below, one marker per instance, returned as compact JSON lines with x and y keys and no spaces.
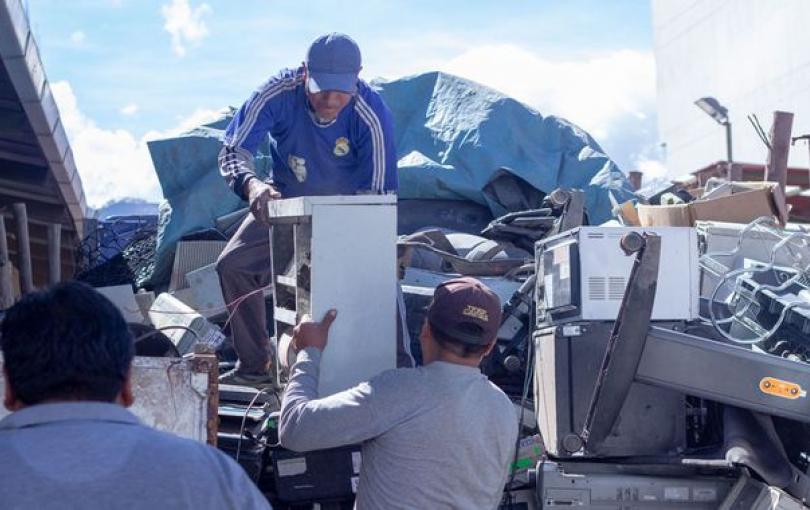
{"x":752,"y":55}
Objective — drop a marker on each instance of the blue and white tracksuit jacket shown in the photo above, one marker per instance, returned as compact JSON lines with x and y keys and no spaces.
{"x":354,"y":154}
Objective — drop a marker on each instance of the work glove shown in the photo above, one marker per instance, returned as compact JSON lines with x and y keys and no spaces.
{"x":259,"y":196}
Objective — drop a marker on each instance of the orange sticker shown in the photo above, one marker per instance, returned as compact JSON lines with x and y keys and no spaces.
{"x":780,"y":388}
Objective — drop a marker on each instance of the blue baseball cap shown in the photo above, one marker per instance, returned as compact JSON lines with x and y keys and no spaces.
{"x":333,"y":63}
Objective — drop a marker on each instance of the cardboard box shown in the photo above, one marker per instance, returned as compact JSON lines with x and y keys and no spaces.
{"x":760,"y":199}
{"x":628,"y":214}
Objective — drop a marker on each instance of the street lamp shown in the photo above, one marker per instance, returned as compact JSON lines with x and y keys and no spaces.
{"x":719,"y":113}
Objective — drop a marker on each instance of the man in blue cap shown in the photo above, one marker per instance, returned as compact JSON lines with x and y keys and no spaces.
{"x":331,"y":135}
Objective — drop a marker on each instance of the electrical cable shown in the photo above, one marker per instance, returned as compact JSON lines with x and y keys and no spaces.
{"x":754,"y":120}
{"x":715,"y":322}
{"x":512,"y":274}
{"x":161,"y":329}
{"x":244,"y":420}
{"x":767,"y":334}
{"x":250,"y":405}
{"x":216,"y":309}
{"x":764,"y":225}
{"x":235,"y":304}
{"x":763,"y":222}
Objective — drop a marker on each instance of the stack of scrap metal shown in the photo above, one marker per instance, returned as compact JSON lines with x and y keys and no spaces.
{"x":756,"y":284}
{"x":704,"y":398}
{"x":501,"y":256}
{"x":118,"y":256}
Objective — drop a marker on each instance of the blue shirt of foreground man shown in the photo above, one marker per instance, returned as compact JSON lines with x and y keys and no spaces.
{"x":436,"y":436}
{"x":70,"y":442}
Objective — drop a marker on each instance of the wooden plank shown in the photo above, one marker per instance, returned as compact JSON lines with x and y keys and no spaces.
{"x":635,"y":177}
{"x":22,"y":158}
{"x":33,"y":197}
{"x":776,"y":169}
{"x":6,"y":292}
{"x":39,"y":214}
{"x":54,"y":253}
{"x":24,"y":248}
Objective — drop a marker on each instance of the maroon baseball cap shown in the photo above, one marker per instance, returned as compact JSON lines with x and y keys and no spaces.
{"x":466,"y":310}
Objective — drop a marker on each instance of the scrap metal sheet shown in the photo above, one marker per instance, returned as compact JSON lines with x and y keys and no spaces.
{"x":171,"y":394}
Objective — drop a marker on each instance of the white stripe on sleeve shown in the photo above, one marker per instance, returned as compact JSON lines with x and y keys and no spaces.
{"x":258,"y":104}
{"x":378,"y":143}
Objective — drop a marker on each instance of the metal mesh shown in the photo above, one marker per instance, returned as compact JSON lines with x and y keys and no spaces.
{"x":118,"y":252}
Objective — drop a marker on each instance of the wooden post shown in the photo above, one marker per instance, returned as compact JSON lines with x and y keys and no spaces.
{"x":23,"y":248}
{"x":54,"y":253}
{"x":776,"y":170}
{"x":635,"y":178}
{"x":6,"y":293}
{"x":734,"y":172}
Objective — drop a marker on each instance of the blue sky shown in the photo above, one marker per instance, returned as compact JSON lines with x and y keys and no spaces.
{"x":125,"y":71}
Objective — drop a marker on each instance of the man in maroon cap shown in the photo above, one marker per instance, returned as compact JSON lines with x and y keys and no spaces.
{"x":435,"y":436}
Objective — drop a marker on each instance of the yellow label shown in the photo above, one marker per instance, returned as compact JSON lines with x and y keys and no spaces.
{"x":476,"y":313}
{"x":341,"y":146}
{"x":780,"y":388}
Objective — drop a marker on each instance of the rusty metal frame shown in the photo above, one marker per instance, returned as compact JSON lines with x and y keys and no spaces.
{"x":208,"y":363}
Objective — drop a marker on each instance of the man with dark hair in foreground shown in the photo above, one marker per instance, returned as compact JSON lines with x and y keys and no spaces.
{"x":70,"y":442}
{"x":436,"y":436}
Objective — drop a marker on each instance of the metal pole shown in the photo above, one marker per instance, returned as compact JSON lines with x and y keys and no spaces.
{"x":728,"y":143}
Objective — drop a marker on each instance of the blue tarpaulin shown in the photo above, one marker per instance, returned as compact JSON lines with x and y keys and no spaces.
{"x":195,"y":194}
{"x":452,"y":135}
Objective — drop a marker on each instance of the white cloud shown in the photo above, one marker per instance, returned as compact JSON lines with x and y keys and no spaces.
{"x":652,"y":169}
{"x":610,"y":94}
{"x":78,"y":37}
{"x":113,"y":164}
{"x":185,"y":24}
{"x":197,"y":118}
{"x":592,"y":92}
{"x":130,"y":109}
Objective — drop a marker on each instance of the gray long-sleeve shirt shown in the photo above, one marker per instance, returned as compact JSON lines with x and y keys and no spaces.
{"x":89,"y":455}
{"x":437,"y":436}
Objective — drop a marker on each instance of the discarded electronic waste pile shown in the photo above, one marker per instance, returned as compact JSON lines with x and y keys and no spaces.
{"x":676,"y":378}
{"x":457,"y":172}
{"x":672,"y":377}
{"x":644,"y":395}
